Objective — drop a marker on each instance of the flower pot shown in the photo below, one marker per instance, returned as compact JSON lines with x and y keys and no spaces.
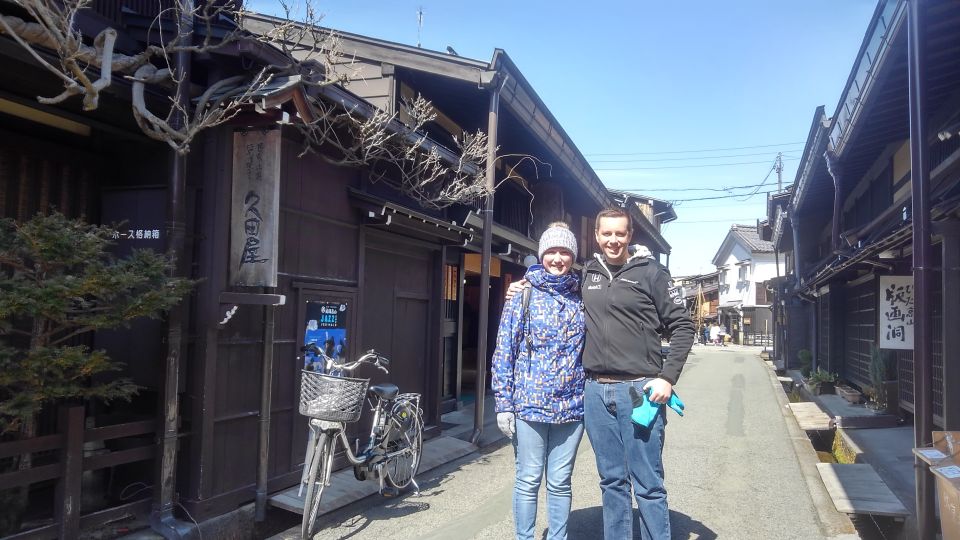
{"x":849,"y":394}
{"x":824,"y":388}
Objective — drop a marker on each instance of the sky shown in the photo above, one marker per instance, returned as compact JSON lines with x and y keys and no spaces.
{"x":674,"y":100}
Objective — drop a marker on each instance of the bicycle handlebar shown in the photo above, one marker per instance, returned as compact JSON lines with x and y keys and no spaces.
{"x":371,"y":357}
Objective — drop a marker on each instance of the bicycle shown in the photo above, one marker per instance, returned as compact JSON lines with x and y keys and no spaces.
{"x":332,"y":400}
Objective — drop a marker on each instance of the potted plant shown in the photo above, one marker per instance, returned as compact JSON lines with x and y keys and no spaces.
{"x":822,"y":381}
{"x":805,"y":357}
{"x":883,"y":381}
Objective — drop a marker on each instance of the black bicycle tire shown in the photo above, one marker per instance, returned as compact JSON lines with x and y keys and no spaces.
{"x":311,"y":499}
{"x":418,"y":441}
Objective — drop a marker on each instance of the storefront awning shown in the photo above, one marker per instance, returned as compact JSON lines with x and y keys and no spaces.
{"x":509,"y":243}
{"x":385,"y":214}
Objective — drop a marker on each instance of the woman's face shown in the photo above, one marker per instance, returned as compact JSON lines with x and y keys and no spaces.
{"x":557,"y":261}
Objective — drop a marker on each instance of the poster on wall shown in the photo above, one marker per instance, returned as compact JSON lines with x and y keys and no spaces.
{"x":896,"y":312}
{"x":327,"y":328}
{"x":255,"y":208}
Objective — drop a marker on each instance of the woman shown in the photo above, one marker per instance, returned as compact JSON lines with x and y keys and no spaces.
{"x":538,"y":382}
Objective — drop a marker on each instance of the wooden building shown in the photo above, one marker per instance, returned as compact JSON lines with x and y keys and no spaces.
{"x":701,"y":295}
{"x":216,"y":424}
{"x":847,"y":230}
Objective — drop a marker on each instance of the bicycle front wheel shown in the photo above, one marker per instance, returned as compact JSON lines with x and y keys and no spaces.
{"x":407,"y":435}
{"x":316,"y":480}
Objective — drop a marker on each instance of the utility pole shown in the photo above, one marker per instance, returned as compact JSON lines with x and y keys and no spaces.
{"x":778,"y":166}
{"x":419,"y":24}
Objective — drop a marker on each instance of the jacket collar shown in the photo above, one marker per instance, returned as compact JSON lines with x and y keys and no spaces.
{"x":631,"y":262}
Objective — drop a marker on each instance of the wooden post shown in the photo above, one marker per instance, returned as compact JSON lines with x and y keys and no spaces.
{"x":67,"y":511}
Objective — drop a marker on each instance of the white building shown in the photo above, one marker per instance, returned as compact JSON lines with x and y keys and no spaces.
{"x":745,"y":262}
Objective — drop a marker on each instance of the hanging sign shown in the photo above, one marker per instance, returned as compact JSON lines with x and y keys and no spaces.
{"x":896,"y":312}
{"x":255,"y":210}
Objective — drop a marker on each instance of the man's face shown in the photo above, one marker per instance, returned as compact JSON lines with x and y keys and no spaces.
{"x":613,"y":237}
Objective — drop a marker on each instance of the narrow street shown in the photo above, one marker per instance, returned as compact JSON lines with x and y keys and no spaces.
{"x":732,"y":472}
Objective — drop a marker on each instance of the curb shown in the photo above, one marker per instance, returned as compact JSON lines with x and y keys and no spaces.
{"x":833,"y":524}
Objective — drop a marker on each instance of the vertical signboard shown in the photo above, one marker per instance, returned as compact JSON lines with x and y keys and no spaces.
{"x":896,"y":312}
{"x":255,"y":208}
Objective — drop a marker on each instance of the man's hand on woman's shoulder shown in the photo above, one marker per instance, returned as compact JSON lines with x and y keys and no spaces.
{"x":515,"y":288}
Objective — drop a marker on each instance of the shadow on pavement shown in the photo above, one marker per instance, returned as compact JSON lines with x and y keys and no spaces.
{"x":587,"y":524}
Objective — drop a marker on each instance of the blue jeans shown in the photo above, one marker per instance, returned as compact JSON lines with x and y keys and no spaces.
{"x":627,"y":454}
{"x":538,"y":446}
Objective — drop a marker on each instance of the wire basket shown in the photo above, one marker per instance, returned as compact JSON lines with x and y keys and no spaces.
{"x":336,"y":399}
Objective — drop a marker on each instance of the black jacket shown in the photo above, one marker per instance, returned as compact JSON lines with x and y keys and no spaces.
{"x":627,"y":315}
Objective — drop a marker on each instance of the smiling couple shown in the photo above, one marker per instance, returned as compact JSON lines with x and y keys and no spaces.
{"x":566,"y":362}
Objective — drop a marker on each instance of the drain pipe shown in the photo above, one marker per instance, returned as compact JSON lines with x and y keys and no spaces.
{"x":266,"y":397}
{"x":162,"y":520}
{"x":922,"y":272}
{"x":484,"y":316}
{"x":833,"y":168}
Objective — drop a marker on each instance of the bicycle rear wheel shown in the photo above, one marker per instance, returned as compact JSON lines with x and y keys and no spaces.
{"x":316,"y":481}
{"x":408,"y":434}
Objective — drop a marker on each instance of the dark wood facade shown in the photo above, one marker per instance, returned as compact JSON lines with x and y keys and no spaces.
{"x":409,"y":283}
{"x":858,"y":164}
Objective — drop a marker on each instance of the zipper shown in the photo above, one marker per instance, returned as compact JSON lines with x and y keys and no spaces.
{"x":607,"y":310}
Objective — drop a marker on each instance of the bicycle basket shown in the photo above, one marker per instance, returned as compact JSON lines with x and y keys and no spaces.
{"x":336,"y":399}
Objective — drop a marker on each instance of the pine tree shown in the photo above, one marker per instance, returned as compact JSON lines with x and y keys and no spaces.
{"x":58,"y":282}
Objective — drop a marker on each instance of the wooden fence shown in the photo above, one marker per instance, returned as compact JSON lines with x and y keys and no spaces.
{"x":68,"y":471}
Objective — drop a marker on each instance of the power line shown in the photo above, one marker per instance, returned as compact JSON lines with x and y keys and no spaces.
{"x":715,"y":220}
{"x":640,"y":191}
{"x":722,"y":197}
{"x":697,"y":151}
{"x":678,"y":158}
{"x":683,"y":166}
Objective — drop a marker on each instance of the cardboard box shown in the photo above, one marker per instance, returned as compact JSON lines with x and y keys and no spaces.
{"x":943,"y":457}
{"x":944,"y":451}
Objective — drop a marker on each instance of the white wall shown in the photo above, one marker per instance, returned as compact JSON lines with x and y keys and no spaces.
{"x":761,"y":268}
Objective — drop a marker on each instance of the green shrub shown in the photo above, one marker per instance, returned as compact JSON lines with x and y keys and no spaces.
{"x":806,"y":361}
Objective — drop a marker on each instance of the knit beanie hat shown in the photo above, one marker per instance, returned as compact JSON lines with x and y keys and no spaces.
{"x":557,"y":237}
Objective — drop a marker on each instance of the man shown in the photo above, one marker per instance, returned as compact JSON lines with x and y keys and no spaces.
{"x":628,"y":306}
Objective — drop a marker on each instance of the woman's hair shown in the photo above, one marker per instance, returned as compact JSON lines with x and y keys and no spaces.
{"x":561,"y":224}
{"x":614,"y":212}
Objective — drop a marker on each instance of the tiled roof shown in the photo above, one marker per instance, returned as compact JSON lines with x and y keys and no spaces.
{"x":750,"y":237}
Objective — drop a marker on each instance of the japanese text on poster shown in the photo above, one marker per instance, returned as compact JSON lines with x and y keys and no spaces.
{"x":327,"y":328}
{"x":896,"y":312}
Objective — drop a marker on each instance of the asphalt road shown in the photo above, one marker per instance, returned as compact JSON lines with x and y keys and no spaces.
{"x":732,"y":472}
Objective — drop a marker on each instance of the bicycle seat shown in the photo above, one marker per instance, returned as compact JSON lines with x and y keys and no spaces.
{"x":385,"y":390}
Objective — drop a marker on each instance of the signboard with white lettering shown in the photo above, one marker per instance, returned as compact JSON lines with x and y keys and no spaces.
{"x":896,"y":312}
{"x":255,"y":213}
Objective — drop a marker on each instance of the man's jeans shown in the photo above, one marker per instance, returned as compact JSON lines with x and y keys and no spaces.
{"x":627,"y":454}
{"x":537,"y":444}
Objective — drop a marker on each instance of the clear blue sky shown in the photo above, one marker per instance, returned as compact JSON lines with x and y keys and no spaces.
{"x":655,"y":80}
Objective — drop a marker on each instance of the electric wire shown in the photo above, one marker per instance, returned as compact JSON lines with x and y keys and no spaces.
{"x":638,"y":160}
{"x":684,"y":166}
{"x":696,"y":151}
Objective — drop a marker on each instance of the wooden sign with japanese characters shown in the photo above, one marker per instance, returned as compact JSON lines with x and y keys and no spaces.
{"x":255,"y":214}
{"x":896,"y":312}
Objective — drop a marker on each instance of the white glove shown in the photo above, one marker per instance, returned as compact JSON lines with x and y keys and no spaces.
{"x":507,"y":423}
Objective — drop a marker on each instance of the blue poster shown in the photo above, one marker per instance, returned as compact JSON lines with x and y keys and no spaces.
{"x":327,"y":328}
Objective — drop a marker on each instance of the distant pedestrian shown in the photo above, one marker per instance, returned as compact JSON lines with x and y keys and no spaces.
{"x":715,"y":334}
{"x":538,"y":383}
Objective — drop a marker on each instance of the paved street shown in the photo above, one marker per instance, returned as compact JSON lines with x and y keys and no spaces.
{"x":732,"y":472}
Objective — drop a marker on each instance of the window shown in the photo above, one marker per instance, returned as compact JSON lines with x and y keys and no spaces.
{"x":744,"y":273}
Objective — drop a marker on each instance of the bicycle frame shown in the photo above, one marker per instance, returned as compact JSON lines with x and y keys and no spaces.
{"x":374,"y":453}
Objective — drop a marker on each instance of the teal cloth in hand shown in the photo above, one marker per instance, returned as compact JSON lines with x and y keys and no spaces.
{"x":645,"y":411}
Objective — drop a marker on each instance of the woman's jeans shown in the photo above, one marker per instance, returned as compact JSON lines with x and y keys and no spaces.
{"x":540,"y":446}
{"x":627,"y":455}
